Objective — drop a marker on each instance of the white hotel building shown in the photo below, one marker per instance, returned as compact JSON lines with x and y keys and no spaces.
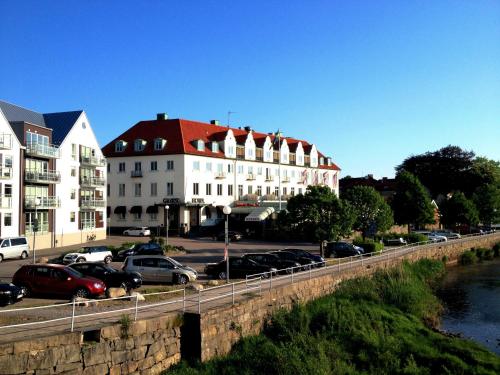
{"x":197,"y":168}
{"x":53,"y":174}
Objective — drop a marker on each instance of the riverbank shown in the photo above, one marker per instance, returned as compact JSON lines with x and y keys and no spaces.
{"x":382,"y":324}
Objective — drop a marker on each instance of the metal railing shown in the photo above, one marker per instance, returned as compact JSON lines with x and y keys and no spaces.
{"x":92,"y":203}
{"x":38,"y":149}
{"x":5,"y":172}
{"x":32,"y":202}
{"x":87,"y":224}
{"x":135,"y":173}
{"x":92,"y":181}
{"x":220,"y":174}
{"x":73,"y":314}
{"x":92,"y":161}
{"x":31,"y":175}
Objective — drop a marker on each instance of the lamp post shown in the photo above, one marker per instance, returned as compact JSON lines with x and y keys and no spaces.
{"x":166,"y":223}
{"x":227,"y":211}
{"x":35,"y":226}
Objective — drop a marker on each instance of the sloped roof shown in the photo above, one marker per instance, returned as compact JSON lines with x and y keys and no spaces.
{"x":61,"y":124}
{"x":15,"y":113}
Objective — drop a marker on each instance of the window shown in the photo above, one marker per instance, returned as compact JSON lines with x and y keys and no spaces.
{"x":73,"y":194}
{"x":284,"y":190}
{"x":196,"y":165}
{"x":121,"y":167}
{"x":230,"y":190}
{"x":220,"y":168}
{"x":153,"y":216}
{"x":250,"y":170}
{"x":154,"y":166}
{"x":250,"y":152}
{"x":208,"y":190}
{"x":292,"y":191}
{"x":229,"y":168}
{"x":137,"y":216}
{"x":8,"y":190}
{"x":137,"y":189}
{"x":121,"y":190}
{"x":73,"y":171}
{"x":120,"y":146}
{"x":170,"y":165}
{"x":230,"y":151}
{"x":240,"y":191}
{"x":259,"y":171}
{"x":139,"y":145}
{"x":268,"y":155}
{"x":250,"y":189}
{"x":109,"y":167}
{"x":137,"y":166}
{"x":215,"y":147}
{"x":159,"y":144}
{"x":108,"y":190}
{"x":240,"y":169}
{"x":276,"y":190}
{"x":259,"y":191}
{"x":196,"y":188}
{"x":170,"y":188}
{"x":300,"y":190}
{"x":293,"y":173}
{"x":268,"y":190}
{"x":209,"y":166}
{"x":219,"y":189}
{"x":154,"y":189}
{"x":72,"y":217}
{"x":7,"y":219}
{"x":200,"y":145}
{"x":73,"y":151}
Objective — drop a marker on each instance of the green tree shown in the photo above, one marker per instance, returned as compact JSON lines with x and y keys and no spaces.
{"x":458,"y":210}
{"x":411,"y":203}
{"x":487,"y":201}
{"x":371,"y":212}
{"x":319,"y":215}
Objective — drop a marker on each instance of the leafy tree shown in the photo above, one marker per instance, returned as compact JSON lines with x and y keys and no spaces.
{"x":319,"y":215}
{"x":411,"y":203}
{"x":487,"y":201}
{"x":458,"y":210}
{"x":484,"y":171}
{"x":371,"y":212}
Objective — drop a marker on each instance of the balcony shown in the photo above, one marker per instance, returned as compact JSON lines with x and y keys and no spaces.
{"x":5,"y":201}
{"x":91,"y":204}
{"x":92,"y":182}
{"x":285,"y":179}
{"x":5,"y":173}
{"x":87,"y":224}
{"x":269,"y":178}
{"x":220,"y":175}
{"x":42,"y":228}
{"x":43,"y":151}
{"x":250,"y":177}
{"x":135,"y":174}
{"x":44,"y":203}
{"x":93,"y":161}
{"x":43,"y":177}
{"x":5,"y":141}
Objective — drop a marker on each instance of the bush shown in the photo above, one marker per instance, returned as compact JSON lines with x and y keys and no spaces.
{"x":496,"y":249}
{"x":469,"y":257}
{"x":369,"y":246}
{"x":415,"y":237}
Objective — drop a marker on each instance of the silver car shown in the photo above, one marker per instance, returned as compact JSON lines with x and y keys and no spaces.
{"x":159,"y":268}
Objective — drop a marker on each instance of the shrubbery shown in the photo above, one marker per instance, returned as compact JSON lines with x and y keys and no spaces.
{"x":469,"y":257}
{"x":368,"y":245}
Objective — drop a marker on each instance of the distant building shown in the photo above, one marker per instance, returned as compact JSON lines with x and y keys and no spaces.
{"x":198,"y":168}
{"x":54,"y":177}
{"x":385,"y":186}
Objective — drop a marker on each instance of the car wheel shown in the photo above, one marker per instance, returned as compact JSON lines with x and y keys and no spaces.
{"x":80,"y":260}
{"x":25,"y":289}
{"x":108,"y":259}
{"x":1,"y":258}
{"x":266,"y":275}
{"x":182,"y":279}
{"x":24,"y":255}
{"x":125,"y":286}
{"x":141,"y":234}
{"x":81,"y":293}
{"x":222,"y":275}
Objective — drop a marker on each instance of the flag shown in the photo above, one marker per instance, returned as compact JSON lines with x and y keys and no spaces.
{"x":304,"y":176}
{"x":325,"y":178}
{"x":315,"y":182}
{"x":335,"y":180}
{"x":225,"y":251}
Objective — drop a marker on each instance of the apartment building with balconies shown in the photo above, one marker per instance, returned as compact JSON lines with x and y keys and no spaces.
{"x":62,"y":179}
{"x":197,"y":168}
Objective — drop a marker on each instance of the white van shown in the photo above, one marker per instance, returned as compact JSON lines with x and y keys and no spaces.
{"x":14,"y":247}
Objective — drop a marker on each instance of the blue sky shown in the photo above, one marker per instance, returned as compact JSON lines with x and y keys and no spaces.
{"x":369,"y":82}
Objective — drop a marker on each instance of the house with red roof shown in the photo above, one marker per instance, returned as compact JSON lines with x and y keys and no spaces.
{"x":190,"y":170}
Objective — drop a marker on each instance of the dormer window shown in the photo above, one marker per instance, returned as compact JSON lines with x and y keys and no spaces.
{"x":215,"y":147}
{"x":160,"y":144}
{"x":321,"y":161}
{"x":139,"y":145}
{"x":200,"y":145}
{"x":120,"y":146}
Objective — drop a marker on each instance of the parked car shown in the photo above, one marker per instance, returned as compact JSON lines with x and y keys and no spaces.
{"x":14,"y":247}
{"x":137,"y":231}
{"x":232,"y":235}
{"x":317,"y":259}
{"x":89,"y":254}
{"x":150,"y":248}
{"x":448,"y":234}
{"x":239,"y":267}
{"x":433,"y":237}
{"x":274,"y":261}
{"x":306,"y":263}
{"x":110,"y":276}
{"x":9,"y":294}
{"x":56,"y":279}
{"x":159,"y":268}
{"x":342,"y":249}
{"x":400,"y":241}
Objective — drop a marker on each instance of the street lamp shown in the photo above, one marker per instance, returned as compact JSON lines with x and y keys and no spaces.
{"x":227,"y":211}
{"x":34,"y":226}
{"x":166,"y":223}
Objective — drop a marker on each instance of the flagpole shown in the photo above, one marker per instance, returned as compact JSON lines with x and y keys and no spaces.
{"x":279,"y":168}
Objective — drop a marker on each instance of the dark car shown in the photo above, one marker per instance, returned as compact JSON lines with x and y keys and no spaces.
{"x":274,"y":261}
{"x":56,"y":279}
{"x":317,"y":259}
{"x":10,"y":293}
{"x":238,"y":268}
{"x":306,"y":263}
{"x":150,"y":248}
{"x":110,"y":276}
{"x":232,"y":235}
{"x":342,"y":249}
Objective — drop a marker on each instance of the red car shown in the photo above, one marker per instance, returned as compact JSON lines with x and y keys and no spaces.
{"x":56,"y":279}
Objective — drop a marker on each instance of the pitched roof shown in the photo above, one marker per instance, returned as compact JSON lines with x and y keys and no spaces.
{"x":61,"y":123}
{"x":15,"y":113}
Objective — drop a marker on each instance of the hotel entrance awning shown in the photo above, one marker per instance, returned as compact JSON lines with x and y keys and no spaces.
{"x":259,"y":214}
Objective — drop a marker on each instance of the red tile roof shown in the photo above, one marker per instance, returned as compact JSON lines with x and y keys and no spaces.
{"x":181,"y":136}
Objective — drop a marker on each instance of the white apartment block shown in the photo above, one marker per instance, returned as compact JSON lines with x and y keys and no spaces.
{"x":197,"y":168}
{"x":60,"y":180}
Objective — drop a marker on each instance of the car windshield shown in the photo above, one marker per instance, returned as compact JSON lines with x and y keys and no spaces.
{"x":176,"y":263}
{"x":73,"y":272}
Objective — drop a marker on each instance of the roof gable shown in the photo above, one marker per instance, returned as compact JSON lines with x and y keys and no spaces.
{"x":14,"y":113}
{"x":61,"y":124}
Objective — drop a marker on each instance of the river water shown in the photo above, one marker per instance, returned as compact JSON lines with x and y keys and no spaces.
{"x":471,"y":296}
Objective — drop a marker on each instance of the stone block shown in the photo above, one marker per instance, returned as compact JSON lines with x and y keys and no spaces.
{"x":97,"y":354}
{"x":160,"y":355}
{"x":146,"y":363}
{"x":65,"y":367}
{"x":14,"y":364}
{"x":137,"y":328}
{"x":111,"y":332}
{"x":129,"y":367}
{"x":118,"y":357}
{"x":100,"y":369}
{"x":6,"y":349}
{"x":144,"y":339}
{"x":45,"y":359}
{"x":154,"y":347}
{"x":72,"y":353}
{"x":115,"y":370}
{"x":138,"y":354}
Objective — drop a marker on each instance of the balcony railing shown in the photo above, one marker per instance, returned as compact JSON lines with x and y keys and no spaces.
{"x":31,"y":202}
{"x":92,"y":161}
{"x":250,"y":176}
{"x":92,"y":181}
{"x":92,"y":203}
{"x":136,"y":174}
{"x":5,"y":141}
{"x":5,"y":172}
{"x":44,"y":151}
{"x":220,"y":174}
{"x":42,"y":228}
{"x":5,"y":201}
{"x":269,"y":178}
{"x":87,"y":224}
{"x":285,"y":179}
{"x":48,"y":177}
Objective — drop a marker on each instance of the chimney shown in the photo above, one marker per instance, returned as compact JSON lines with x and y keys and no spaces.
{"x":161,"y":116}
{"x":214,"y":122}
{"x":248,"y":129}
